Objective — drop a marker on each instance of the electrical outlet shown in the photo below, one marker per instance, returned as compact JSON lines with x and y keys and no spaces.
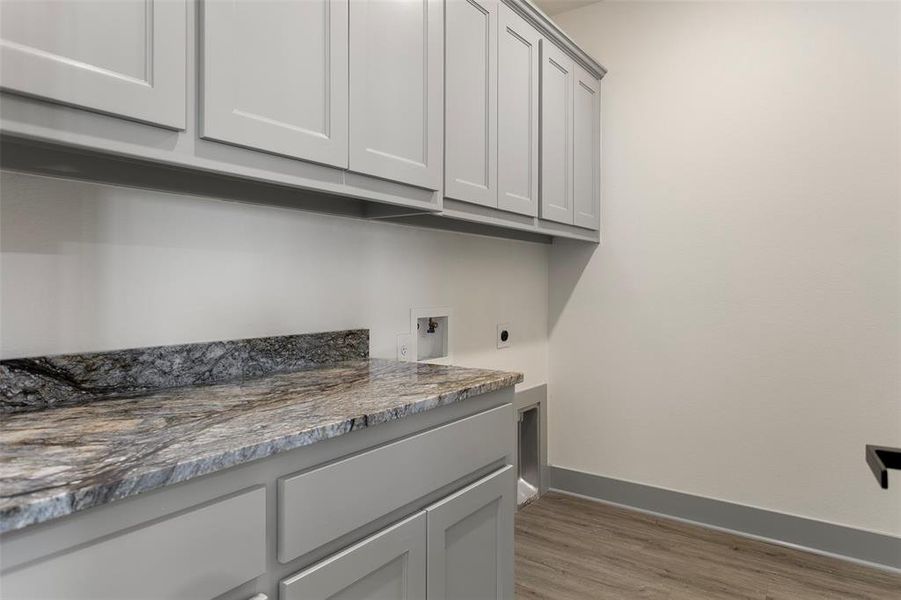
{"x":504,"y":335}
{"x":405,"y":347}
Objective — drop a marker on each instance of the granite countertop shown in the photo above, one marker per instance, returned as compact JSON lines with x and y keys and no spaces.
{"x":59,"y":460}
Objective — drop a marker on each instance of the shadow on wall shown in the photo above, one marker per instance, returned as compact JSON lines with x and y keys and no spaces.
{"x":90,"y":266}
{"x":564,"y":274}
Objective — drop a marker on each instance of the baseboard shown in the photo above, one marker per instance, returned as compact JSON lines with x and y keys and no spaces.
{"x":876,"y":549}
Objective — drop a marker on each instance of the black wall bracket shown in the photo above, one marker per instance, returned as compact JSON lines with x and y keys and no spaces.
{"x":881,"y":459}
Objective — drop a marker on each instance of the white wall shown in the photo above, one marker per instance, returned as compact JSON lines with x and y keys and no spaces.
{"x":96,"y":267}
{"x":737,"y":333}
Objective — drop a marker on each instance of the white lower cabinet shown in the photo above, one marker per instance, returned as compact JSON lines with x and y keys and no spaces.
{"x":389,"y":564}
{"x":460,"y":548}
{"x":413,"y":509}
{"x":320,"y":505}
{"x":470,"y":549}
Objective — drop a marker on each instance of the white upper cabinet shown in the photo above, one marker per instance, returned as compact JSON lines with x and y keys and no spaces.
{"x":126,"y":58}
{"x":586,"y":149}
{"x":396,"y":90}
{"x":556,"y":134}
{"x":275,"y":76}
{"x":472,"y":110}
{"x":518,"y":68}
{"x":471,"y":101}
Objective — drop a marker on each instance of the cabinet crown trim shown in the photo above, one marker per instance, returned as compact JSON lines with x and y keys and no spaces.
{"x":548,"y":28}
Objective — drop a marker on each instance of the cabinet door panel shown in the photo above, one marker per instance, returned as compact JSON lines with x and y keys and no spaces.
{"x":470,"y":551}
{"x":126,"y":58}
{"x":390,"y":564}
{"x":556,"y":134}
{"x":471,"y":101}
{"x":586,"y":149}
{"x":396,"y":90}
{"x":518,"y":65}
{"x":275,"y":76}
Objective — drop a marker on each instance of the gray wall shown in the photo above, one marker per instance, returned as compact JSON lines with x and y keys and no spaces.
{"x":737,"y":334}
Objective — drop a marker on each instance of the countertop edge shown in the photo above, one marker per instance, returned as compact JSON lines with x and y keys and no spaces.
{"x":17,"y":517}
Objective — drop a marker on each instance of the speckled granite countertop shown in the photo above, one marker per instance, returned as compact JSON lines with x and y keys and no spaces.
{"x":56,"y":461}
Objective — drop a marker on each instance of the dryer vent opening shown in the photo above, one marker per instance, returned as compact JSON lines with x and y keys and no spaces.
{"x":528,"y":462}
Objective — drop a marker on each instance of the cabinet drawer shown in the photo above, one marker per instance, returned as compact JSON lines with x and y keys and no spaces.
{"x":197,"y":555}
{"x":323,"y":504}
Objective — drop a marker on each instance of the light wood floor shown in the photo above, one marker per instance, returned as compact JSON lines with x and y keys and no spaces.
{"x":569,"y":548}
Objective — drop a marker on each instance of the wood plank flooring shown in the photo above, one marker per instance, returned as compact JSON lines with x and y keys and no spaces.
{"x":571,"y":548}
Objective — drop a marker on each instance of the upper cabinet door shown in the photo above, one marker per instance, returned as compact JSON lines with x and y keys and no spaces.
{"x":390,"y":564}
{"x":396,"y":90}
{"x":518,"y":66}
{"x":470,"y":549}
{"x":275,"y":76}
{"x":126,"y":58}
{"x":556,"y":134}
{"x":470,"y":155}
{"x":470,"y":111}
{"x":586,"y":149}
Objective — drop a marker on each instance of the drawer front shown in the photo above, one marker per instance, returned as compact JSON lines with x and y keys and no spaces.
{"x":389,"y":564}
{"x":194,"y":556}
{"x":323,"y":504}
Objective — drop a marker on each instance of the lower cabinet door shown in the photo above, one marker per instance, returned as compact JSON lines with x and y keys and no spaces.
{"x":389,"y":564}
{"x":470,"y":541}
